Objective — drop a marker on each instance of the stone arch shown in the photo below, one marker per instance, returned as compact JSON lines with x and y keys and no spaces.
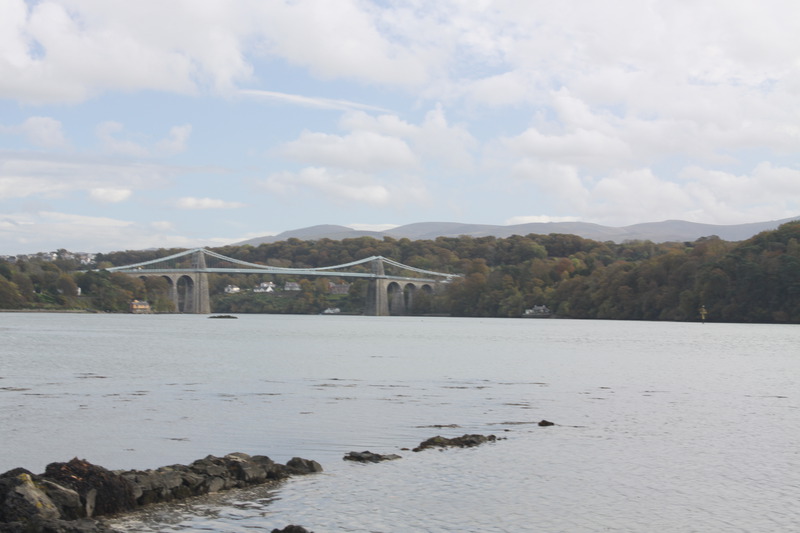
{"x":185,"y":288}
{"x":172,"y":290}
{"x":396,"y":299}
{"x":408,"y":295}
{"x":419,"y":297}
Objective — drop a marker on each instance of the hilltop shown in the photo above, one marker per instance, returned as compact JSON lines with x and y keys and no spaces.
{"x":658,"y":232}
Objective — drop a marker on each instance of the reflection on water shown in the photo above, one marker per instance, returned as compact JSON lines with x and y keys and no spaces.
{"x":660,"y":426}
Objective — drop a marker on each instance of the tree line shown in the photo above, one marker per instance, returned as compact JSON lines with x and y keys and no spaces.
{"x":757,"y":280}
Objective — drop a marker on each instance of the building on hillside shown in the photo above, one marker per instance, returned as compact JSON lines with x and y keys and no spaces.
{"x":139,"y":307}
{"x":338,"y":288}
{"x":537,"y":311}
{"x":291,"y":286}
{"x":266,"y":286}
{"x":232,"y":289}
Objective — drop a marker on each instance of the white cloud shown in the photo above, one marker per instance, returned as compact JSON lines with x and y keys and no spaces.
{"x":162,"y":225}
{"x":107,"y":133}
{"x":111,"y":196}
{"x":345,"y":187}
{"x":561,"y":184}
{"x":44,"y":131}
{"x":35,"y":178}
{"x":50,"y":230}
{"x":767,"y":192}
{"x":176,"y":141}
{"x":190,"y":202}
{"x":585,"y":148}
{"x":68,"y":51}
{"x":16,"y":186}
{"x":310,"y":101}
{"x":637,"y":195}
{"x":360,"y":150}
{"x":434,"y":141}
{"x":347,"y":42}
{"x":506,"y":89}
{"x":59,"y":53}
{"x":111,"y":135}
{"x":379,"y":160}
{"x":372,"y":227}
{"x":531,"y":219}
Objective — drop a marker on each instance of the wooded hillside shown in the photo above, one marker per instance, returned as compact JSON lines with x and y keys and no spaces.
{"x":757,"y":280}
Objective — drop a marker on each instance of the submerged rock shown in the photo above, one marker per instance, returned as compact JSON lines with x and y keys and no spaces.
{"x":465,"y":441}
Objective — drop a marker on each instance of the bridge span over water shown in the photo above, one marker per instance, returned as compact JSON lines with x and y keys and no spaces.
{"x":187,"y":273}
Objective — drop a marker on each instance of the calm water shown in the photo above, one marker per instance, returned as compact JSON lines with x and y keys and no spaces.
{"x":660,"y":426}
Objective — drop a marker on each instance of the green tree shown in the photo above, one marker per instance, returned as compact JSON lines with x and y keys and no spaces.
{"x":10,"y":297}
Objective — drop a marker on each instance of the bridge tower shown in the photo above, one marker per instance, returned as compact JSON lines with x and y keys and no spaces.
{"x":197,"y":298}
{"x":377,"y":303}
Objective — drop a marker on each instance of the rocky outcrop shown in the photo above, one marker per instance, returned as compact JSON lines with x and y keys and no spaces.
{"x":465,"y":441}
{"x":369,"y":457}
{"x":68,"y":493}
{"x":101,"y":491}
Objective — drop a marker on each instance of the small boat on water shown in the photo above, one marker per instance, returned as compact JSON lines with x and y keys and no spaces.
{"x":223,"y":316}
{"x":537,"y":311}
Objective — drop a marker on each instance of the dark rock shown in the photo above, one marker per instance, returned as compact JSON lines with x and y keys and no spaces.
{"x":465,"y":441}
{"x":67,"y":501}
{"x":292,"y":529}
{"x":101,"y":491}
{"x":545,"y":423}
{"x":22,"y":500}
{"x":67,"y":492}
{"x":369,"y":457}
{"x":298,"y":466}
{"x":163,"y":484}
{"x":245,"y":470}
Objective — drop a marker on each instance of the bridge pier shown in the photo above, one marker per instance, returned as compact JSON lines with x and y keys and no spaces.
{"x":397,"y":299}
{"x":388,"y":297}
{"x":188,"y":292}
{"x":377,"y":303}
{"x":200,"y":301}
{"x":196,"y":299}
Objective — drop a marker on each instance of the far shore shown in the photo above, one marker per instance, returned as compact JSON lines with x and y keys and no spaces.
{"x":48,"y":311}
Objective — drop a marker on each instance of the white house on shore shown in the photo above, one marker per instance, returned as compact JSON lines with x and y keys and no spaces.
{"x":266,"y":286}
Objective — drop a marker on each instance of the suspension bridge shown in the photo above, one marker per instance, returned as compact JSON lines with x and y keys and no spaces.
{"x":187,"y":273}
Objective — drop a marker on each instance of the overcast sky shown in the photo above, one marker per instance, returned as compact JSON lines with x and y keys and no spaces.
{"x":150,"y":123}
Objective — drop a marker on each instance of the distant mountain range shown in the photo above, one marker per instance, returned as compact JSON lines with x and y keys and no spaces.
{"x":667,"y":231}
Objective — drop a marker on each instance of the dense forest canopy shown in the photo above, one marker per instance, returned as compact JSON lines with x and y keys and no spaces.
{"x":757,"y":280}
